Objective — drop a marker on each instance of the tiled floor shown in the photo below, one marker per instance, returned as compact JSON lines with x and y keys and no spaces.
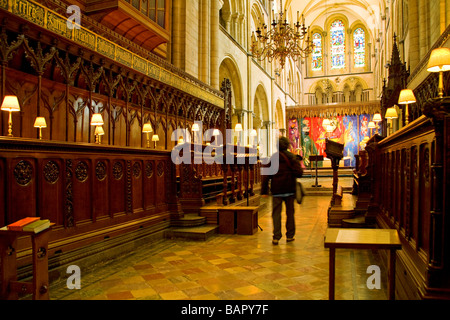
{"x":234,"y":267}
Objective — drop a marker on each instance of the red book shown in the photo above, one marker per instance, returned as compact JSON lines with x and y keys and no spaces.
{"x":18,"y":225}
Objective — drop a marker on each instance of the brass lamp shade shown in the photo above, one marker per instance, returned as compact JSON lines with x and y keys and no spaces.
{"x":10,"y":103}
{"x":155,"y":138}
{"x":97,"y":120}
{"x":147,"y":128}
{"x":406,"y":97}
{"x":439,"y":60}
{"x":40,"y":123}
{"x":253,"y":133}
{"x":391,"y":113}
{"x":238,"y":127}
{"x":195,"y":127}
{"x":216,"y":132}
{"x":377,"y":118}
{"x":372,"y":125}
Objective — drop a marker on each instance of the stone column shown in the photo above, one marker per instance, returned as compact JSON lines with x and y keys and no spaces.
{"x":214,"y":49}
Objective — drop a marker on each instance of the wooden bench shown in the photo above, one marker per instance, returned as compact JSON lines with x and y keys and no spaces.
{"x":237,"y":219}
{"x":338,"y":196}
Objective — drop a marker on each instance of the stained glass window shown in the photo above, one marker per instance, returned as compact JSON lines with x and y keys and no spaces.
{"x":317,"y":57}
{"x":359,"y":38}
{"x":337,"y":45}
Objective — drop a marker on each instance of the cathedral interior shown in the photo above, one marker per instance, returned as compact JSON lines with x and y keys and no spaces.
{"x":141,"y":130}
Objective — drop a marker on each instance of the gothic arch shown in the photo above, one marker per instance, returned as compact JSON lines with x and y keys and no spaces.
{"x":229,"y":70}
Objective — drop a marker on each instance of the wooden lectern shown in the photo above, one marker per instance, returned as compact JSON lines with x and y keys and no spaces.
{"x":316,"y":158}
{"x":9,"y":286}
{"x":335,"y":152}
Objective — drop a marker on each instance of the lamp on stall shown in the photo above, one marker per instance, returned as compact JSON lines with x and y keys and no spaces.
{"x":147,"y":128}
{"x":371,"y":126}
{"x":377,"y":119}
{"x":99,"y":132}
{"x":195,"y":128}
{"x":40,"y":123}
{"x":391,"y":114}
{"x":406,"y":97}
{"x":440,"y":62}
{"x":10,"y":104}
{"x":155,"y":139}
{"x":97,"y":121}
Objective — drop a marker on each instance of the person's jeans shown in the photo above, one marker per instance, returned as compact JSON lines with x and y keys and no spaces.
{"x":277,"y":203}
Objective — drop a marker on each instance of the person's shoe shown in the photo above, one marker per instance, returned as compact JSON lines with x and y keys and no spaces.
{"x":290,"y":239}
{"x":275,"y":242}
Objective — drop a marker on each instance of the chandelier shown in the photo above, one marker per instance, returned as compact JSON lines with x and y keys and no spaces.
{"x":283,"y":40}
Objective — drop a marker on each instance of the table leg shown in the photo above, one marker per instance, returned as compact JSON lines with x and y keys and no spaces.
{"x":8,"y":266}
{"x":391,"y":274}
{"x":40,"y":266}
{"x":332,"y":273}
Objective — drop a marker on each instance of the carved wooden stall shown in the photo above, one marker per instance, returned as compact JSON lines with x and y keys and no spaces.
{"x":409,"y":189}
{"x":91,"y":192}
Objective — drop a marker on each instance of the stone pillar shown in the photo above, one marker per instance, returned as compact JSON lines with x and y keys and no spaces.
{"x":214,"y":50}
{"x":204,"y":41}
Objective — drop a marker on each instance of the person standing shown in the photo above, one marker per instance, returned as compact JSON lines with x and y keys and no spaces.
{"x":282,"y":187}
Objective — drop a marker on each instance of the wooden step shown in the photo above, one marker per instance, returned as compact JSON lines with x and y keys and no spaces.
{"x":200,"y":233}
{"x":189,"y":220}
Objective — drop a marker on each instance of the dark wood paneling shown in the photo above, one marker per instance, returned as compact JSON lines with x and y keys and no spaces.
{"x":137,"y":185}
{"x":117,"y":191}
{"x":3,"y":195}
{"x":101,"y":193}
{"x":82,"y":189}
{"x":22,"y":173}
{"x":51,"y":190}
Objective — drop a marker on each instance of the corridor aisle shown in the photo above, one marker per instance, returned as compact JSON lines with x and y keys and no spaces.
{"x":234,"y":267}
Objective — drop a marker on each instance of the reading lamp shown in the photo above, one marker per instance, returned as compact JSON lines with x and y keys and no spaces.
{"x":406,"y":97}
{"x":10,"y":104}
{"x":147,"y":128}
{"x":97,"y":121}
{"x":372,"y":125}
{"x":40,"y":123}
{"x":377,"y":119}
{"x":99,"y":132}
{"x":440,"y":62}
{"x":391,"y":114}
{"x":155,"y":139}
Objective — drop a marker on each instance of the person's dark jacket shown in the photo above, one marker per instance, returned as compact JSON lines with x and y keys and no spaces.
{"x":283,"y":182}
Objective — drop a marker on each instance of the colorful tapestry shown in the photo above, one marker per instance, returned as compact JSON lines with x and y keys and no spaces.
{"x":308,"y":136}
{"x":351,"y":141}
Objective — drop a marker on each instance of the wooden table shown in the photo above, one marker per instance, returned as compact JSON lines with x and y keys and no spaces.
{"x":371,"y":239}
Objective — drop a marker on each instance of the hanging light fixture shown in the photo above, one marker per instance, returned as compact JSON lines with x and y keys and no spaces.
{"x":282,"y":40}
